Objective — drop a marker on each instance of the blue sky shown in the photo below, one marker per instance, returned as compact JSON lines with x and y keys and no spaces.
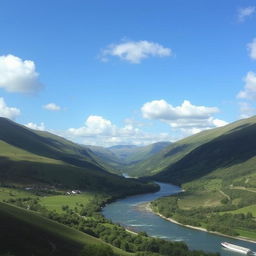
{"x":125,"y":72}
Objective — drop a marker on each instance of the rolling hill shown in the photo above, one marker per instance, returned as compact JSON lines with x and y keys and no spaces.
{"x":28,"y":233}
{"x":34,"y":157}
{"x":203,"y":149}
{"x":216,"y":169}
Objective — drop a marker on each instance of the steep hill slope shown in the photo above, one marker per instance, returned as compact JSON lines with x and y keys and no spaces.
{"x":32,"y":157}
{"x":230,"y":149}
{"x":27,"y":233}
{"x":219,"y":182}
{"x":176,"y":151}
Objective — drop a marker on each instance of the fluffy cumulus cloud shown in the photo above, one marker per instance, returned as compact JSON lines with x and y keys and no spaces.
{"x":17,"y":75}
{"x":135,"y":52}
{"x":8,"y":112}
{"x":186,"y":117}
{"x":246,"y":12}
{"x":94,"y":125}
{"x":249,"y":91}
{"x":40,"y":127}
{"x":52,"y":107}
{"x":100,"y":131}
{"x":252,"y":49}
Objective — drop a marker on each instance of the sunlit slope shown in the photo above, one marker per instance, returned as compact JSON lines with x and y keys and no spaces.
{"x":44,"y":144}
{"x":235,"y":147}
{"x":32,"y":157}
{"x":171,"y":155}
{"x":27,"y":233}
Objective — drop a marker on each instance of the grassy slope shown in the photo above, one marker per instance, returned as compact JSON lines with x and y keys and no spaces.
{"x":222,"y":153}
{"x":28,"y":233}
{"x":176,"y":151}
{"x":28,"y":156}
{"x":220,"y":169}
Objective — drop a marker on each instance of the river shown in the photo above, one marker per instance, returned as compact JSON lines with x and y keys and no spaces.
{"x":128,"y":213}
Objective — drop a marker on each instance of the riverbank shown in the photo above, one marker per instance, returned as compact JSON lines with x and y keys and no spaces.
{"x":147,"y":207}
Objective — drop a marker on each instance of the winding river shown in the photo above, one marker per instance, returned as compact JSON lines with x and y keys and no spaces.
{"x":128,"y":213}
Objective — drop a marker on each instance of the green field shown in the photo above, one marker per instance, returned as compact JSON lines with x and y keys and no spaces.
{"x":56,"y":202}
{"x":245,"y":210}
{"x":247,"y":234}
{"x":11,"y":193}
{"x":200,"y":199}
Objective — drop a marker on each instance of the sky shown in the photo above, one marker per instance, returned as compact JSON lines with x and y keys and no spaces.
{"x":127,"y":72}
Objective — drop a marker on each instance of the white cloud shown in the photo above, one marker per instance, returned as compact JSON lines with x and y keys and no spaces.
{"x":252,"y":49}
{"x":249,"y":92}
{"x":52,"y":107}
{"x":246,"y":12}
{"x":17,"y":75}
{"x":219,"y":122}
{"x":160,"y":109}
{"x":100,"y":131}
{"x":187,"y":117}
{"x":8,"y":112}
{"x":135,"y":52}
{"x":246,"y":110}
{"x":94,"y":125}
{"x":40,"y":127}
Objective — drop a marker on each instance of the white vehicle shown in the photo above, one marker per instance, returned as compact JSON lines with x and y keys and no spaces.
{"x":237,"y":248}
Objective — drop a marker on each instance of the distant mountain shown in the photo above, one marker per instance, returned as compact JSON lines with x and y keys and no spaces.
{"x":122,"y":147}
{"x":121,"y":157}
{"x":226,"y":151}
{"x":35,"y":157}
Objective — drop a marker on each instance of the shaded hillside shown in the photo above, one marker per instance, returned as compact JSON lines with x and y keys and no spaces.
{"x":32,"y":157}
{"x":219,"y":182}
{"x":45,"y":144}
{"x":233,"y":148}
{"x":172,"y":154}
{"x":27,"y":233}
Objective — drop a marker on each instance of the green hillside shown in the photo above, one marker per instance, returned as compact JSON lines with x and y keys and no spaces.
{"x":171,"y":155}
{"x":32,"y":157}
{"x":219,"y":180}
{"x":27,"y":233}
{"x":224,"y":152}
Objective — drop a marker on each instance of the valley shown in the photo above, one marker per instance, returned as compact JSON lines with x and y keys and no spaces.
{"x":57,"y":180}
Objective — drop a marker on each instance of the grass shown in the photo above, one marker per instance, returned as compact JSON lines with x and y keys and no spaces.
{"x":9,"y":193}
{"x":27,"y":233}
{"x":200,"y":199}
{"x":17,"y":154}
{"x":245,"y":210}
{"x":247,"y":234}
{"x":168,"y":157}
{"x":56,"y":202}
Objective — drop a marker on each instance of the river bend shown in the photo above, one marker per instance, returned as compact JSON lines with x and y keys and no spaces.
{"x":128,"y":213}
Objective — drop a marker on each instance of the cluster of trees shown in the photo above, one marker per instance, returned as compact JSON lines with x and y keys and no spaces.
{"x":28,"y":203}
{"x":211,"y":218}
{"x":87,"y":218}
